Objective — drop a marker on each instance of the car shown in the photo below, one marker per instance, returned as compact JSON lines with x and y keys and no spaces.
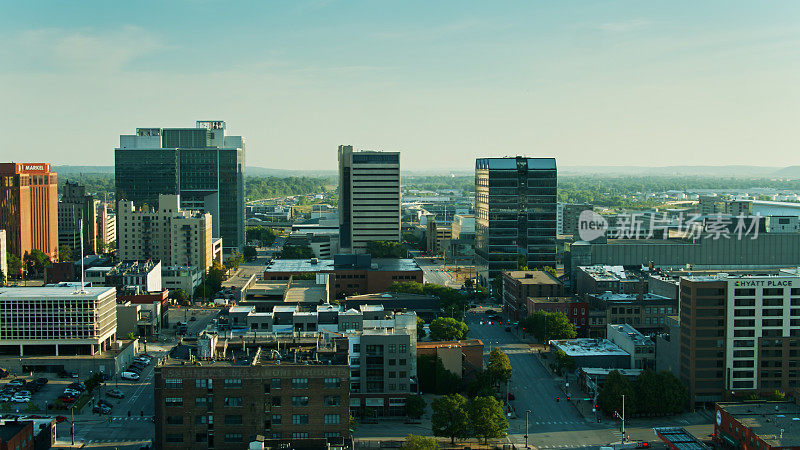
{"x":20,"y":399}
{"x":115,"y":393}
{"x":60,"y":419}
{"x":101,"y":409}
{"x":135,"y":370}
{"x":42,"y":381}
{"x":5,"y":398}
{"x":72,"y":392}
{"x":141,"y":362}
{"x":102,"y":402}
{"x":24,"y":393}
{"x":129,"y":376}
{"x":77,"y":385}
{"x":66,"y":398}
{"x":192,"y":319}
{"x":73,"y":375}
{"x":16,"y":383}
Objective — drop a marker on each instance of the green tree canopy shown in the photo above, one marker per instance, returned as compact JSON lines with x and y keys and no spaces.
{"x":499,"y":367}
{"x":65,"y":253}
{"x":234,"y":260}
{"x":386,"y":249}
{"x":415,"y":406}
{"x":249,"y":253}
{"x":449,"y":417}
{"x":296,"y":252}
{"x":414,"y":442}
{"x":545,"y":326}
{"x":609,"y":400}
{"x":448,"y":329}
{"x":179,"y":295}
{"x":450,"y":300}
{"x":14,"y":264}
{"x":420,"y":328}
{"x":264,"y":235}
{"x":486,"y":418}
{"x":36,"y":261}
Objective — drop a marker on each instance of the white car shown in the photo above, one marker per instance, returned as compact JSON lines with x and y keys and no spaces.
{"x":72,"y":392}
{"x":129,"y":376}
{"x":20,"y":399}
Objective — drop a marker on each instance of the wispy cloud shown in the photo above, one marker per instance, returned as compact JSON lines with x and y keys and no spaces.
{"x":85,"y":49}
{"x":624,"y":26}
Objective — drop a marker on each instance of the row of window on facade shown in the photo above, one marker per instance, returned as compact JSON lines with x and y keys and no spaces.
{"x":275,"y":383}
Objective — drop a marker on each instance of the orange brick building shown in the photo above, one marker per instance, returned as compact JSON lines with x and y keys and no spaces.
{"x":29,"y":208}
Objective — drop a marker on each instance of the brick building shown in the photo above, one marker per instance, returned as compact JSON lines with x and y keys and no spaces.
{"x":227,"y":403}
{"x":349,"y":274}
{"x":16,"y":436}
{"x":29,"y":208}
{"x":756,"y":425}
{"x":518,"y":285}
{"x":463,"y":358}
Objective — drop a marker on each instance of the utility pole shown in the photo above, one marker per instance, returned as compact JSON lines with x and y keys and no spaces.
{"x":623,"y":418}
{"x":72,"y":424}
{"x":528,"y":411}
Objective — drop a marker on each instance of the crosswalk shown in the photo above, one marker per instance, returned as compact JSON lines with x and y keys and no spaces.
{"x":134,"y":418}
{"x":563,"y":422}
{"x":565,"y":446}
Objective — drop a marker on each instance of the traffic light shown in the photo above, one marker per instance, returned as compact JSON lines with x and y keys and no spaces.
{"x":558,"y":398}
{"x":568,"y":398}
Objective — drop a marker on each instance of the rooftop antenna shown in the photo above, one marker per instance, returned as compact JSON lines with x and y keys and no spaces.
{"x":83,"y":286}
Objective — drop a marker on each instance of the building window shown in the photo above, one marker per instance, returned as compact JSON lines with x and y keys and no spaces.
{"x":173,"y":383}
{"x":403,"y":348}
{"x":276,"y":383}
{"x":299,"y":383}
{"x":233,"y":382}
{"x":201,"y":420}
{"x":332,"y":382}
{"x":233,"y":420}
{"x":233,"y":401}
{"x":332,"y":418}
{"x":402,"y":362}
{"x":173,"y":401}
{"x":300,"y":435}
{"x":299,"y":419}
{"x":276,"y":401}
{"x":299,"y":401}
{"x":173,"y":437}
{"x":276,"y":419}
{"x":200,"y":383}
{"x":233,"y":437}
{"x":200,"y":402}
{"x":392,"y":348}
{"x":332,"y":400}
{"x":332,"y":434}
{"x":175,"y":420}
{"x":200,"y":437}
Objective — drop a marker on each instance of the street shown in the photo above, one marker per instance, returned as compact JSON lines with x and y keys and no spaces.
{"x":432,"y":273}
{"x":558,"y":424}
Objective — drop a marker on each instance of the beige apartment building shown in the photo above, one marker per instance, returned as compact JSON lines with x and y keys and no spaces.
{"x":174,"y":236}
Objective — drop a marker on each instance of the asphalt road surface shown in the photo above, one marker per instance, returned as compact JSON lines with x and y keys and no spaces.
{"x":432,"y":273}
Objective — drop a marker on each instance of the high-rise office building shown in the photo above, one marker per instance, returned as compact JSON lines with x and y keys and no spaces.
{"x":75,"y":205}
{"x":369,"y":198}
{"x":106,"y":224}
{"x":515,"y":215}
{"x":28,"y":208}
{"x":202,"y":165}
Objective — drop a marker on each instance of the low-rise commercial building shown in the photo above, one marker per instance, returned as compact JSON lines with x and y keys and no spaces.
{"x":641,"y":348}
{"x":646,"y":312}
{"x":586,"y":352}
{"x":518,"y":285}
{"x":349,"y":274}
{"x":756,"y":425}
{"x":425,"y":306}
{"x":599,"y":279}
{"x":462,"y":358}
{"x":185,"y":278}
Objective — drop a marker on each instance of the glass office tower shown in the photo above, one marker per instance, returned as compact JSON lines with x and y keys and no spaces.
{"x":202,"y":165}
{"x":515,"y":215}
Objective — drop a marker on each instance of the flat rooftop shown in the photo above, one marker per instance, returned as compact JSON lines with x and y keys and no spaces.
{"x":631,"y":333}
{"x":589,"y":347}
{"x":679,"y":438}
{"x":326,"y":265}
{"x":553,"y":300}
{"x":54,"y":291}
{"x":768,"y":420}
{"x":593,"y":371}
{"x":610,"y":296}
{"x":532,"y":277}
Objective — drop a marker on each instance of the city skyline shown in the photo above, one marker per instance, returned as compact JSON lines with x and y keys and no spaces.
{"x":690,"y":84}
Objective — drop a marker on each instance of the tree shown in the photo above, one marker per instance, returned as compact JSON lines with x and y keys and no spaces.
{"x":65,"y":253}
{"x":499,"y":367}
{"x":434,"y":377}
{"x":420,"y":328}
{"x":550,"y":270}
{"x":414,"y":442}
{"x":212,"y":282}
{"x":676,"y":396}
{"x":563,"y":362}
{"x":234,"y":260}
{"x":480,"y":386}
{"x":14,"y":264}
{"x":649,"y":392}
{"x":497,"y":288}
{"x":545,"y":325}
{"x":449,"y":417}
{"x":609,"y":400}
{"x":522,"y":262}
{"x":386,"y":249}
{"x":264,"y":235}
{"x":486,"y":418}
{"x":250,"y":253}
{"x":130,"y":336}
{"x":448,"y":329}
{"x":101,"y":245}
{"x":180,"y":296}
{"x":415,"y":406}
{"x":296,"y":252}
{"x":36,"y":261}
{"x":468,"y":283}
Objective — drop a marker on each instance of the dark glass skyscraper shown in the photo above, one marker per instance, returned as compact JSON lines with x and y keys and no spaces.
{"x":202,"y":165}
{"x":515,"y":214}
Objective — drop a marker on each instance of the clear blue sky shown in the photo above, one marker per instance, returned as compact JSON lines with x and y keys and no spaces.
{"x":589,"y":82}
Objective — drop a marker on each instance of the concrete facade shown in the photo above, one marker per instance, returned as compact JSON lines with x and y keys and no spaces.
{"x":75,"y":205}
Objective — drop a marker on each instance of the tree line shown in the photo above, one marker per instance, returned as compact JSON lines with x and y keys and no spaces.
{"x":650,"y":394}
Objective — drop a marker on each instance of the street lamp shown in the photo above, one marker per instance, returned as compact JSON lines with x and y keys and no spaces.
{"x":527,"y":411}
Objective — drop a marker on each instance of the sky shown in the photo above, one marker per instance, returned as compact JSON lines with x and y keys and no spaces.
{"x":588,"y":82}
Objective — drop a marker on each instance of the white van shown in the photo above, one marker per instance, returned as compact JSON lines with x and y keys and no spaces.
{"x":129,"y":376}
